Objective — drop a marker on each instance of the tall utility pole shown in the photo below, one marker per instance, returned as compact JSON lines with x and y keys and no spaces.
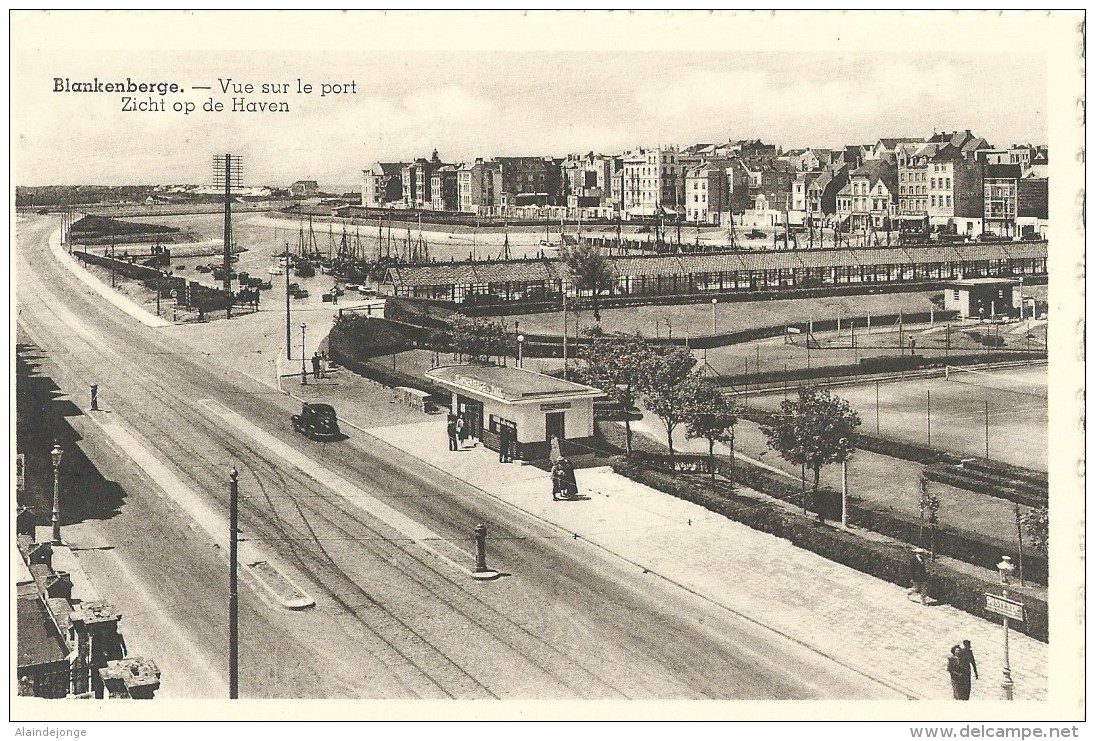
{"x":288,"y":321}
{"x":233,"y":591}
{"x":228,"y":171}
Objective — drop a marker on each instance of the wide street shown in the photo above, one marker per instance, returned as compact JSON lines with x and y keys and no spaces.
{"x":380,"y":541}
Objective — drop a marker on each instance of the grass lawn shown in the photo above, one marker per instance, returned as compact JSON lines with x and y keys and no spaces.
{"x":884,"y":481}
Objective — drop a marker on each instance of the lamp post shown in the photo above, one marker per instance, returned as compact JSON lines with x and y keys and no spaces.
{"x":1006,"y":568}
{"x":1021,"y":312}
{"x":714,"y":303}
{"x":520,"y":342}
{"x":303,"y":360}
{"x":55,"y":456}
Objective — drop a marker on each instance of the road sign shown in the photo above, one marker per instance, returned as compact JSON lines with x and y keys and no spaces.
{"x":1005,"y":607}
{"x":20,"y":472}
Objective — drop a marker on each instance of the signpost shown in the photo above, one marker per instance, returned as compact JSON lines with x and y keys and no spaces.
{"x":1006,"y":607}
{"x":1011,"y":610}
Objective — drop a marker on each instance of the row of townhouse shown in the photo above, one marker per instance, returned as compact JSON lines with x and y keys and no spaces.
{"x":937,"y":181}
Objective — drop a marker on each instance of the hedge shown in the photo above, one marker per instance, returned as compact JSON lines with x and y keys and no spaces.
{"x":883,"y":560}
{"x":957,"y":477}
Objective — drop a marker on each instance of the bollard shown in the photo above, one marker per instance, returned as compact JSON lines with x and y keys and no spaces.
{"x":481,"y":571}
{"x":480,"y":548}
{"x":303,"y":377}
{"x":94,"y":397}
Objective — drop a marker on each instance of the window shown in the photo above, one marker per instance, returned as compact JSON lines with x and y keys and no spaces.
{"x":956,"y":294}
{"x":933,"y":201}
{"x":948,"y":200}
{"x":948,"y":186}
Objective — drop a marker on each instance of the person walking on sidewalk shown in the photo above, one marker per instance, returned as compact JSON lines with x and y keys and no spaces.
{"x":315,"y":366}
{"x":460,"y":432}
{"x":918,"y":575}
{"x":568,"y":484}
{"x":959,"y":673}
{"x":450,"y":428}
{"x":503,"y":444}
{"x":969,"y":667}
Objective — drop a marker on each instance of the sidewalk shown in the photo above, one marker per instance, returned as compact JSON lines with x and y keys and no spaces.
{"x":860,"y":621}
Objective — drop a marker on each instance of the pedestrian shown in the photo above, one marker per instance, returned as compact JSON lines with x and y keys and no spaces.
{"x":918,"y":575}
{"x":969,"y":663}
{"x":323,"y":365}
{"x":558,"y":478}
{"x":503,"y":443}
{"x":450,"y":428}
{"x":460,"y":431}
{"x":570,"y":483}
{"x":315,"y":365}
{"x":94,"y":397}
{"x":960,"y":677}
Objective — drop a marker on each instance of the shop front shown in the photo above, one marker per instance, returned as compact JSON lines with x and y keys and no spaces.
{"x":524,"y":406}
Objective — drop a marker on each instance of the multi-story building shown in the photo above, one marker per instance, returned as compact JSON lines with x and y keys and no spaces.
{"x":529,"y":181}
{"x":1033,"y":204}
{"x":443,"y":189}
{"x":382,"y":184}
{"x":738,"y":184}
{"x":417,"y":179}
{"x":478,"y":187}
{"x":587,"y":179}
{"x":869,"y":199}
{"x":705,"y":194}
{"x":653,"y":181}
{"x":799,"y":188}
{"x":941,"y":183}
{"x":1001,"y":189}
{"x":821,"y":194}
{"x":772,"y":179}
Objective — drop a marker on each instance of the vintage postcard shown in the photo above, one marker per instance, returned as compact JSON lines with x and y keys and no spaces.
{"x":564,"y":364}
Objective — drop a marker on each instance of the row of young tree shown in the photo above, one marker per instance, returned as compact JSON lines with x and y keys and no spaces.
{"x":813,"y":430}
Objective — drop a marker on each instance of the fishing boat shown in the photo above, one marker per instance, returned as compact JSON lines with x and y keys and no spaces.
{"x":275,"y":270}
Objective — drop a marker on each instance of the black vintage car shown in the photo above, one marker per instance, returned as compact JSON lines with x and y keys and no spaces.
{"x":317,"y":421}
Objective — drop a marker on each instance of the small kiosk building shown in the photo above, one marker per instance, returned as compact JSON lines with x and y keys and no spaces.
{"x":535,"y":406}
{"x":982,"y":298}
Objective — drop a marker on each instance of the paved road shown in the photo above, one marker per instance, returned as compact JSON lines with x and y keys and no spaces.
{"x":393,"y":619}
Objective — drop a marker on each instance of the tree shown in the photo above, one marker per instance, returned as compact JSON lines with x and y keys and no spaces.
{"x":929,"y":508}
{"x":591,"y":269}
{"x":1036,"y":522}
{"x":664,"y":390}
{"x":710,"y":415}
{"x":615,"y":363}
{"x":813,"y":430}
{"x":479,"y":338}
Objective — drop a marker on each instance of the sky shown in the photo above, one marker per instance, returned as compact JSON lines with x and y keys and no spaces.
{"x":469,"y":104}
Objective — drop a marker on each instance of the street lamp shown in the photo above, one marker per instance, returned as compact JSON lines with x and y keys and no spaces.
{"x":303,"y":367}
{"x":1006,"y":568}
{"x":55,"y":456}
{"x":714,"y":303}
{"x":520,"y":342}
